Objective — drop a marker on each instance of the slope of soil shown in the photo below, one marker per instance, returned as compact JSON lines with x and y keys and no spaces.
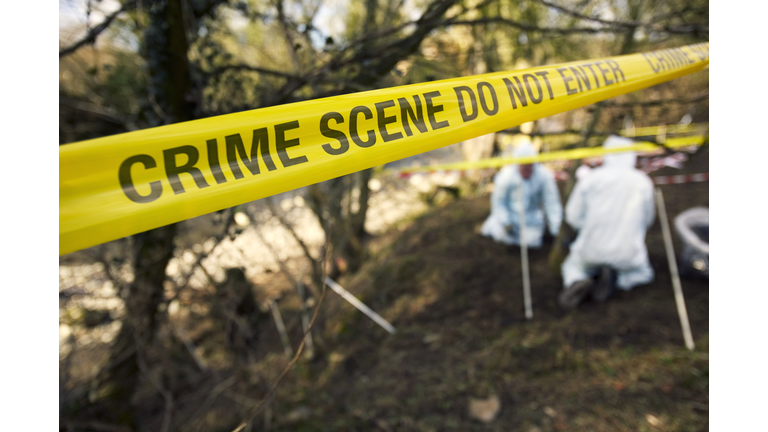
{"x":456,"y":301}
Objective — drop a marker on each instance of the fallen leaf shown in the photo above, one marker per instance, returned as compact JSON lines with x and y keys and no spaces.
{"x":298,"y":414}
{"x":485,"y":410}
{"x":383,"y":425}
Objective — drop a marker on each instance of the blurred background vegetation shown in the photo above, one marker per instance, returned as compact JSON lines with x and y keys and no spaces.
{"x":176,"y":311}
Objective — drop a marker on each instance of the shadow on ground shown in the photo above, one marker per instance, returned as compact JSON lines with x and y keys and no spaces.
{"x":457,"y":303}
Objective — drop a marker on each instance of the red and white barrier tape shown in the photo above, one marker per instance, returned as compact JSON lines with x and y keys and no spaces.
{"x":563,"y":175}
{"x":674,"y":179}
{"x":675,"y":161}
{"x":677,"y":179}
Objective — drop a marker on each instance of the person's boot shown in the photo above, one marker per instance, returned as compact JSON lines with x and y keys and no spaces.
{"x":575,"y":294}
{"x":606,"y":285}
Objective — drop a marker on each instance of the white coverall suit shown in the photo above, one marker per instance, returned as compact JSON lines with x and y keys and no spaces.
{"x":539,"y":190}
{"x":611,"y":209}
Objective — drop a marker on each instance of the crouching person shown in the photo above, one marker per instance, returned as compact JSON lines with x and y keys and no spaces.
{"x":540,"y":197}
{"x":611,"y":209}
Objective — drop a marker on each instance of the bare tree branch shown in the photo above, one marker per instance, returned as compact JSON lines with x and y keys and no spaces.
{"x":271,"y":391}
{"x":90,"y":38}
{"x":316,"y":272}
{"x":391,"y":30}
{"x":218,"y":238}
{"x":199,"y":415}
{"x":167,"y":395}
{"x":531,"y":27}
{"x":378,"y":61}
{"x":284,"y":268}
{"x":659,"y":102}
{"x":258,"y":69}
{"x":97,"y":425}
{"x":295,"y":78}
{"x":686,"y":29}
{"x":107,"y":113}
{"x":292,"y":48}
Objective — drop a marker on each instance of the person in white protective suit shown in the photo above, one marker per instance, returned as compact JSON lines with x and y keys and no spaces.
{"x":539,"y":190}
{"x":611,"y":208}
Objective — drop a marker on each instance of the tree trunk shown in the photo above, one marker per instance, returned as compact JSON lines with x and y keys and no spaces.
{"x":165,"y":46}
{"x":117,"y":381}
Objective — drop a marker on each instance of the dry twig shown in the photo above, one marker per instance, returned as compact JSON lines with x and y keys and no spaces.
{"x":167,"y":395}
{"x":271,"y":391}
{"x":95,"y":32}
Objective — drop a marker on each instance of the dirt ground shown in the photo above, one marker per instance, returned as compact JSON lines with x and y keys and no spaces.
{"x":456,"y":301}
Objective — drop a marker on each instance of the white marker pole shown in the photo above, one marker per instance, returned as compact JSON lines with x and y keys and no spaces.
{"x":359,"y":305}
{"x":681,"y":311}
{"x":281,"y":328}
{"x":524,"y":257}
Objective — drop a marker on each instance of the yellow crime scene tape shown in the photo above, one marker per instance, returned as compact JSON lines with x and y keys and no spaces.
{"x":579,"y":153}
{"x":678,"y":142}
{"x":669,"y":129}
{"x":124,"y":184}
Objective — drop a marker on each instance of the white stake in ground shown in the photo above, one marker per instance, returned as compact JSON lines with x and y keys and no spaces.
{"x":524,"y":258}
{"x":281,"y":328}
{"x":681,"y":311}
{"x":346,"y":295}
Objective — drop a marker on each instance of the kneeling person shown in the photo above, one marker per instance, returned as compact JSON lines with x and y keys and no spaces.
{"x":539,"y":190}
{"x":611,"y":209}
